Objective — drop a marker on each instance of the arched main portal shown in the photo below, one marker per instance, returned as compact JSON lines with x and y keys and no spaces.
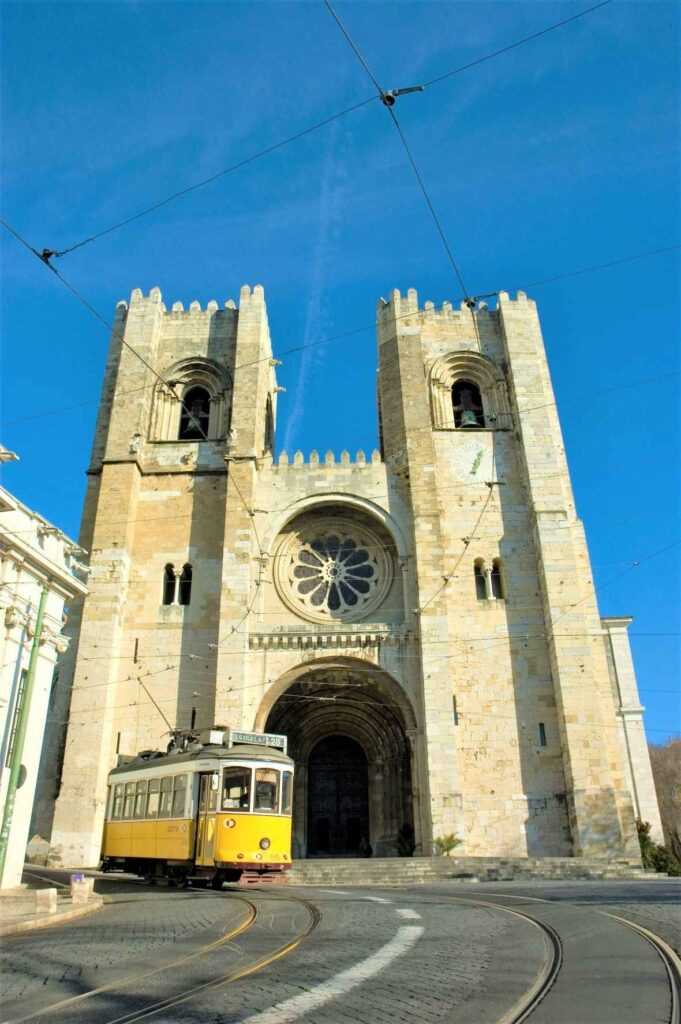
{"x":347,"y":733}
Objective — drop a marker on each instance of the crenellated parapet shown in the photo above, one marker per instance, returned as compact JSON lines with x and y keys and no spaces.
{"x":406,"y":308}
{"x":247,"y":297}
{"x":329,"y":461}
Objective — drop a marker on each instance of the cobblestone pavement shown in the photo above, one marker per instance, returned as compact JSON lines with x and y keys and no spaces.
{"x":422,"y":954}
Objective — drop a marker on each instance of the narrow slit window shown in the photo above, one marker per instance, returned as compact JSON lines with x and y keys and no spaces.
{"x":455,"y":711}
{"x":497,"y":589}
{"x":542,"y":734}
{"x":192,"y":723}
{"x":467,"y":404}
{"x":195,"y":415}
{"x":480,"y":583}
{"x":169,"y":584}
{"x":185,"y":588}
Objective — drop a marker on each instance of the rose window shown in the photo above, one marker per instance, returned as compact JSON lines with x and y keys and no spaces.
{"x":336,"y":572}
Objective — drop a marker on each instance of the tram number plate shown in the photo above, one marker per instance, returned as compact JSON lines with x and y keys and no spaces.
{"x":258,"y":739}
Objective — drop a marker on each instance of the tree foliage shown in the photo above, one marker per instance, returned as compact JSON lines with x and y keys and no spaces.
{"x":666,"y":763}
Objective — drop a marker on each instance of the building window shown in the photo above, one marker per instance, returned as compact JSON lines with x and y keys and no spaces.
{"x":18,"y":707}
{"x":185,"y":588}
{"x":467,"y":404}
{"x":195,"y":415}
{"x":497,"y":590}
{"x":169,"y":584}
{"x":480,"y":581}
{"x":542,"y":735}
{"x":455,"y":711}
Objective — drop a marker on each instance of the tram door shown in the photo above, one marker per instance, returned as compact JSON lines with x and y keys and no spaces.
{"x":209,"y":787}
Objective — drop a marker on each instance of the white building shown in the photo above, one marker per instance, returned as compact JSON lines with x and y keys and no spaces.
{"x":35,"y":559}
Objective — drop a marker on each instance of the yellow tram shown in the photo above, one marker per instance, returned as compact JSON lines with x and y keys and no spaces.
{"x":215,"y":807}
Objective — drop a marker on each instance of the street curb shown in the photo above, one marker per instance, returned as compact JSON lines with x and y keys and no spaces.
{"x":60,"y":917}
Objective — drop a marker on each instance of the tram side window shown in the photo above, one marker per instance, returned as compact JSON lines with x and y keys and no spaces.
{"x":286,"y":792}
{"x":117,"y":808}
{"x":129,"y":805}
{"x":266,"y":790}
{"x":153,"y":798}
{"x":236,"y":788}
{"x":166,"y":804}
{"x":141,"y":799}
{"x":179,"y":794}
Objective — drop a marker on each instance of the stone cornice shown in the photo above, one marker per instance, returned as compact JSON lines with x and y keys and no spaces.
{"x":290,"y":638}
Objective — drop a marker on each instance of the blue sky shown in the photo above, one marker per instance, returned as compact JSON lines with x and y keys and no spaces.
{"x":561,"y":154}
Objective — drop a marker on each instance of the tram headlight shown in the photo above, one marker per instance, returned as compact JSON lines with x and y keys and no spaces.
{"x":229,"y":823}
{"x":264,"y":844}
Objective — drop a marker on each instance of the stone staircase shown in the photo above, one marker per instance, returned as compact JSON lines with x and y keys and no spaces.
{"x":382,"y":871}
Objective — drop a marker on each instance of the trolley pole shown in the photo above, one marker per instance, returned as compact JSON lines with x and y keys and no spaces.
{"x":22,"y":713}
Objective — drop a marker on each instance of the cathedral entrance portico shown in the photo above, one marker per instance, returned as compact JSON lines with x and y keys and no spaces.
{"x":348,"y":734}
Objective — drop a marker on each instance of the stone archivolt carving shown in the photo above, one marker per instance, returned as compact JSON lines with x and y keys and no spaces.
{"x":332,"y":570}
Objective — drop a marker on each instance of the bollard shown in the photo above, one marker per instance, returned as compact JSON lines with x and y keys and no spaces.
{"x":81,"y":888}
{"x":45,"y":901}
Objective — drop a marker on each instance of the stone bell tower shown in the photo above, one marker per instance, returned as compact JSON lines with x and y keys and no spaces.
{"x":521,"y":714}
{"x":165,"y":517}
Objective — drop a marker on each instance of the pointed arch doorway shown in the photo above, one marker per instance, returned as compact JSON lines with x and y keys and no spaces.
{"x":347,"y":729}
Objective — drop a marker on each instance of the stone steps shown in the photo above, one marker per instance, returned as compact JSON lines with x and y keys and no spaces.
{"x":414,"y":870}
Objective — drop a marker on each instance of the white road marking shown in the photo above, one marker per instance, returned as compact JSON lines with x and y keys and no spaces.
{"x":408,"y":915}
{"x":376,"y":899}
{"x":336,"y":892}
{"x":291,"y":1010}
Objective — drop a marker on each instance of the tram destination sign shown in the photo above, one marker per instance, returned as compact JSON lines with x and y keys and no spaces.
{"x":256,"y":739}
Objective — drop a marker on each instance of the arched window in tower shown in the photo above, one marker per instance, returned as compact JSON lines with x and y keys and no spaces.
{"x":480,"y":582}
{"x":195,"y":415}
{"x":169,"y":584}
{"x":497,"y":589}
{"x":185,"y":588}
{"x":467,"y":404}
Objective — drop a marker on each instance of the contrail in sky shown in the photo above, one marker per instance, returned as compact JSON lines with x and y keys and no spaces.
{"x":330,"y":193}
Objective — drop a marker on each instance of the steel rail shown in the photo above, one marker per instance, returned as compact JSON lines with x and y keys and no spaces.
{"x":547,"y":974}
{"x":671,"y":961}
{"x":230,"y":976}
{"x":131,"y":979}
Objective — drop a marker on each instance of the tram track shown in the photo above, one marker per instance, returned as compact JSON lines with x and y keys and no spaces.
{"x":74,"y":1003}
{"x":548,"y":973}
{"x":229,"y":976}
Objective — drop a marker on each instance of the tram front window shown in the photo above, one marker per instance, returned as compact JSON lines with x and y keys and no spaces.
{"x":236,"y":788}
{"x":266,"y":790}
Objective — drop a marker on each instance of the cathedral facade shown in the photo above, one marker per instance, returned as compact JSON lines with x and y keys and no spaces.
{"x":420,"y":621}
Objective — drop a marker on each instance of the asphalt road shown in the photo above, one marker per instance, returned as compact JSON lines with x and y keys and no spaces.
{"x":435,"y":953}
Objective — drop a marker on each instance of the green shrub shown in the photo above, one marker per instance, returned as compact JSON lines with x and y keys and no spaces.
{"x":654,"y":856}
{"x":445,"y":844}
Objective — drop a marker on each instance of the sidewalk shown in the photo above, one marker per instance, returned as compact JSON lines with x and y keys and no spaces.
{"x":29,"y":906}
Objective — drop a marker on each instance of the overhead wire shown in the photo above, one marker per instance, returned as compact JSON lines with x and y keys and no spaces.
{"x":333,"y":339}
{"x":266,"y":151}
{"x":383,"y":95}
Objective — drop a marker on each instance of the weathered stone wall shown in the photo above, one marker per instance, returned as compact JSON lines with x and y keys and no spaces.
{"x":507,"y":702}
